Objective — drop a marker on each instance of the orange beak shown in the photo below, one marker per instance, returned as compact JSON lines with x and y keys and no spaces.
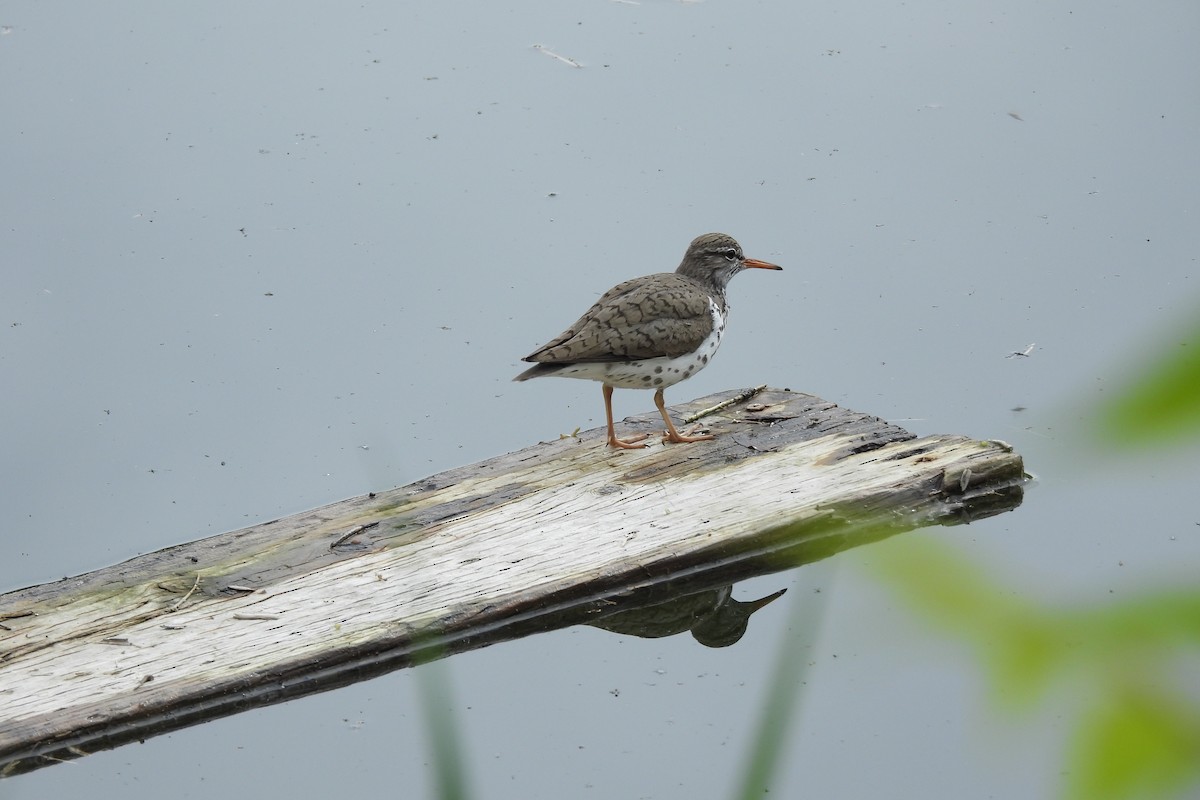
{"x":754,"y":263}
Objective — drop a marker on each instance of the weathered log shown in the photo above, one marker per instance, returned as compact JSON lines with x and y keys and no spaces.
{"x":558,"y":534}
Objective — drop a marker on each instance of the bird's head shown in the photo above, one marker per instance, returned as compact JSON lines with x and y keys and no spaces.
{"x":714,"y":258}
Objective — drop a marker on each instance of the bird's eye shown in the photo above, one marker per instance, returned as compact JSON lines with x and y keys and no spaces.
{"x":731,"y":254}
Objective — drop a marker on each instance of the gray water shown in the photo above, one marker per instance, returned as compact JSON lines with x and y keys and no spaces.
{"x":260,"y":258}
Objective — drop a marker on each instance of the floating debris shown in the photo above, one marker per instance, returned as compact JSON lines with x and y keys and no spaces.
{"x":569,"y":61}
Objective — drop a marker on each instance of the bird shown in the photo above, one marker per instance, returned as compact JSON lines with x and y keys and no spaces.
{"x":650,"y":332}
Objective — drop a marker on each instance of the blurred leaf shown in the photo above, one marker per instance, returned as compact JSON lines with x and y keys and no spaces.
{"x":1153,"y":622}
{"x":1134,"y":744}
{"x":1138,"y":734}
{"x":1163,"y":405}
{"x":1018,"y":646}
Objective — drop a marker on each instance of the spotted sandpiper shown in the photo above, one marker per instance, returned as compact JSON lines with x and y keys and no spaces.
{"x":650,"y":332}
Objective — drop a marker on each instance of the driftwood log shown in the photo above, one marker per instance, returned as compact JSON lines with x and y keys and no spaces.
{"x":562,"y":533}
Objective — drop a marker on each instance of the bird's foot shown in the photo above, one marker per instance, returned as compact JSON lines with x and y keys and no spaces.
{"x":676,"y":437}
{"x":632,"y":443}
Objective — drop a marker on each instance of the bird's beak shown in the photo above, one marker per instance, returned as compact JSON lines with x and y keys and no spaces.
{"x":754,"y":263}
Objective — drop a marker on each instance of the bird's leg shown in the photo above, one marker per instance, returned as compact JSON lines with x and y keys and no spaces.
{"x":673,"y":435}
{"x":613,"y":441}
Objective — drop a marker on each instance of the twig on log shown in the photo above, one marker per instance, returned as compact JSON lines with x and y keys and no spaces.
{"x":179,"y":603}
{"x":740,"y":397}
{"x":357,"y":529}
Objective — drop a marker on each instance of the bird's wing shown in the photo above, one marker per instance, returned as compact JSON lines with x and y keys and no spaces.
{"x":662,"y":315}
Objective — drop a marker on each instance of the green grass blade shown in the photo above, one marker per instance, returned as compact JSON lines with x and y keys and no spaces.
{"x":445,"y":742}
{"x":784,"y":696}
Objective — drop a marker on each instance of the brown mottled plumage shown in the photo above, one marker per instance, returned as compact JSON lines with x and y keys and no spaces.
{"x":650,"y":332}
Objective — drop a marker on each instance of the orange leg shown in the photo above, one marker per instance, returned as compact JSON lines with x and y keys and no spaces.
{"x":673,"y":435}
{"x":613,"y":441}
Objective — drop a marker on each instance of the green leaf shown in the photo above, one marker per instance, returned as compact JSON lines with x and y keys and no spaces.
{"x":1135,"y":744}
{"x":1018,"y":644}
{"x":1164,"y":405}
